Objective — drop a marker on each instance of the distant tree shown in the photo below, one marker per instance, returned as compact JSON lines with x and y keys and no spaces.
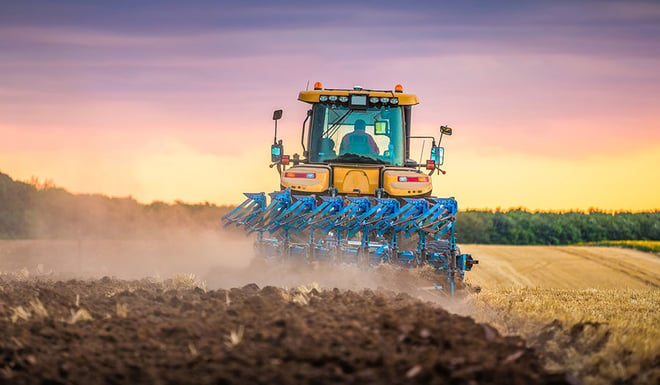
{"x":41,"y":210}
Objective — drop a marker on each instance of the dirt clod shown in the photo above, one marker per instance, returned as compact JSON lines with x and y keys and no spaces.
{"x":147,"y":334}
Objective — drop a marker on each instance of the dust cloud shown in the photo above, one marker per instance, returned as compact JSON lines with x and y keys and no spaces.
{"x":223,"y":258}
{"x":181,"y":252}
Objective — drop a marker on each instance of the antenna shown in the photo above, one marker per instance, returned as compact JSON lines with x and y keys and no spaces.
{"x":421,"y":154}
{"x":307,"y":86}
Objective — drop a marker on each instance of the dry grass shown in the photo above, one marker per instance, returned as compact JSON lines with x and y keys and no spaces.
{"x":602,"y":336}
{"x":652,"y":246}
{"x":19,"y":313}
{"x":122,"y":310}
{"x":592,"y":311}
{"x":184,"y":281}
{"x":35,"y":310}
{"x":562,"y":267}
{"x":301,"y":294}
{"x":79,"y":315}
{"x":235,"y":337}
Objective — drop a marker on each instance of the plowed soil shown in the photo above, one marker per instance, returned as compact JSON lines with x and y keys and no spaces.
{"x":148,"y":332}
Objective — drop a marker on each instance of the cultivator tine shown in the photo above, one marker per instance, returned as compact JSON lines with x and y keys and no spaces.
{"x":248,"y":212}
{"x":409,"y":215}
{"x":326,"y":214}
{"x":279,"y":202}
{"x":294,"y":216}
{"x":379,"y":218}
{"x":354,"y":215}
{"x":443,"y":218}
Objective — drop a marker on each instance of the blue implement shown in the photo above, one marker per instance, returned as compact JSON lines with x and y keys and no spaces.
{"x":366,"y":231}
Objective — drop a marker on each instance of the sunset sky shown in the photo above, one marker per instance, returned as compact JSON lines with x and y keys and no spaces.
{"x":554,"y":104}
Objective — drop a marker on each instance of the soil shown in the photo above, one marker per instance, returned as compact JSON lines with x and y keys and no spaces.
{"x":170,"y":332}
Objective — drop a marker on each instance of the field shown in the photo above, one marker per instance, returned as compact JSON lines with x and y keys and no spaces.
{"x":594,"y":311}
{"x":652,"y":246}
{"x":590,"y":311}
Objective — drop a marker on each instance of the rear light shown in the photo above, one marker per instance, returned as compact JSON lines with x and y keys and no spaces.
{"x":285,"y":159}
{"x":308,"y":175}
{"x":413,"y":179}
{"x":430,"y":164}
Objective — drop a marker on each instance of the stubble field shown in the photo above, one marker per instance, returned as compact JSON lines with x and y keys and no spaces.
{"x":594,"y":311}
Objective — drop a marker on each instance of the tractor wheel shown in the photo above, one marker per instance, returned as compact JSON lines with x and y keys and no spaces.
{"x":441,"y":246}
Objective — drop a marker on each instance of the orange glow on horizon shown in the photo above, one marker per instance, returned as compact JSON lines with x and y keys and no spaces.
{"x":166,"y":170}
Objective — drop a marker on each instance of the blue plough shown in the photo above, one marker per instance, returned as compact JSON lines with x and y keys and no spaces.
{"x":364,"y":231}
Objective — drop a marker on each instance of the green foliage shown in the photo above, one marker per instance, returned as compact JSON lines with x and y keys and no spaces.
{"x":651,"y":246}
{"x":16,"y":200}
{"x":29,"y":211}
{"x":36,"y":210}
{"x":520,"y":227}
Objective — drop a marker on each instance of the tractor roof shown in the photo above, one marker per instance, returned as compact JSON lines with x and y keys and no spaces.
{"x":312,"y":96}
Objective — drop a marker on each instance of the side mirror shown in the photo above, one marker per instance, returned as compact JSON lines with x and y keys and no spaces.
{"x":445,"y":130}
{"x":277,"y":114}
{"x":438,"y":155}
{"x":276,"y":151}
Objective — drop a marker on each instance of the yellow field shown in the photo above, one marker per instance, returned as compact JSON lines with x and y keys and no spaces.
{"x":562,"y":267}
{"x":592,"y":311}
{"x":653,"y":246}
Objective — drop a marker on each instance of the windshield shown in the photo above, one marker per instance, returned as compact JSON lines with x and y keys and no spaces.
{"x":342,"y":135}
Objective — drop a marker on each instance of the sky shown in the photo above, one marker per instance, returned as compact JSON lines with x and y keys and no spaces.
{"x":554,"y":105}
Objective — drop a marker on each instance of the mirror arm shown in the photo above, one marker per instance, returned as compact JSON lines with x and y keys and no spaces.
{"x":277,"y":115}
{"x":302,"y":137}
{"x":422,"y":137}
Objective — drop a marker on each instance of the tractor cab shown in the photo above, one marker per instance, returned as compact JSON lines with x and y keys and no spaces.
{"x":371,"y":132}
{"x":357,"y":142}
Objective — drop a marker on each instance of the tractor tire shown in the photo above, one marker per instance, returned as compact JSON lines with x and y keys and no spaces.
{"x":441,"y":246}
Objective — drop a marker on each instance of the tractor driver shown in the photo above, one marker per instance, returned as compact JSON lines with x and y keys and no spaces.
{"x":358,"y":141}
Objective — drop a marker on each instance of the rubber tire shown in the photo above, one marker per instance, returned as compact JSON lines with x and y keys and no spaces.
{"x":440,"y":246}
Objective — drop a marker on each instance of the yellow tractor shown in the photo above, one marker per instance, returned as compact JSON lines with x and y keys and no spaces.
{"x":355,"y":196}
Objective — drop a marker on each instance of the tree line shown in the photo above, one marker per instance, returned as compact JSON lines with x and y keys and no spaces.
{"x":34,"y":211}
{"x":521,"y":227}
{"x":43,"y":211}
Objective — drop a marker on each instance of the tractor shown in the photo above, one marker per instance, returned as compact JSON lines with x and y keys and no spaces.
{"x":355,"y":196}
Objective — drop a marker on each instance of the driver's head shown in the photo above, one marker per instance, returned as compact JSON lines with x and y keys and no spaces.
{"x":359,"y":125}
